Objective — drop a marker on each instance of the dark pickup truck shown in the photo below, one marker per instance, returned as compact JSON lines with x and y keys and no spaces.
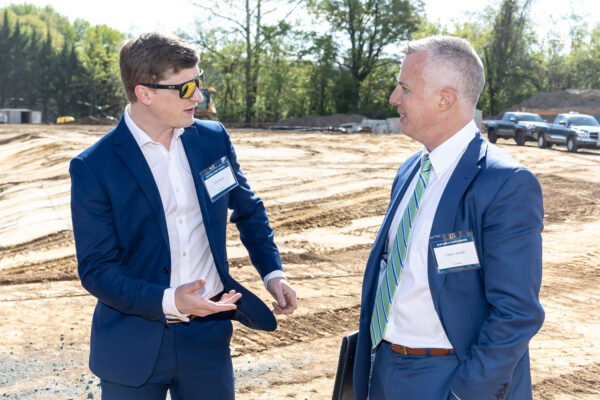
{"x":521,"y":126}
{"x":573,"y":130}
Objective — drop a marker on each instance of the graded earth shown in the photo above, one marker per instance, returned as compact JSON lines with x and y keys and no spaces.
{"x":326,"y":195}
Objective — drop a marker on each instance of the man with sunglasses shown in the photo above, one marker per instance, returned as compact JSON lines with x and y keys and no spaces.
{"x":149,"y":206}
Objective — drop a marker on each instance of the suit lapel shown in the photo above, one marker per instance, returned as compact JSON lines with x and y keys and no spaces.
{"x":130,"y":153}
{"x":403,"y":179}
{"x":406,"y":176}
{"x":445,"y":217}
{"x":198,"y":162}
{"x":199,"y":157}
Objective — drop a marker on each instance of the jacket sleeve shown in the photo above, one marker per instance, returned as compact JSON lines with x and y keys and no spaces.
{"x":99,"y":264}
{"x":250,"y":218}
{"x":512,"y":271}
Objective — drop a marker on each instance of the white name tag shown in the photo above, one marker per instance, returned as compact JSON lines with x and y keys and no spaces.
{"x":455,"y":252}
{"x":218,"y":179}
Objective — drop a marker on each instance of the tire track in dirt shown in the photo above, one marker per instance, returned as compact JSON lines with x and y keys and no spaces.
{"x":56,"y":240}
{"x":580,"y":382}
{"x":18,"y":138}
{"x":582,"y":273}
{"x":319,"y":184}
{"x":293,"y":330}
{"x":337,"y":210}
{"x":334,"y":211}
{"x":58,"y":269}
{"x":569,"y":199}
{"x":31,"y":182}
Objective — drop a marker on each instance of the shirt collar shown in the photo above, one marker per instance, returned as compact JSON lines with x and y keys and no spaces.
{"x":142,"y":137}
{"x":443,"y":156}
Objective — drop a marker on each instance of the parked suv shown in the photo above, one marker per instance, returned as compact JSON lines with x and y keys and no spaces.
{"x":573,"y":130}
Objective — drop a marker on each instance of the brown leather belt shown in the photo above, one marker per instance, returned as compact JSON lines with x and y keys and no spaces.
{"x":397,"y":348}
{"x":215,"y":298}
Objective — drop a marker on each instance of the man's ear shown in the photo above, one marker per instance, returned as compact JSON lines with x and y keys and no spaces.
{"x":143,"y":94}
{"x":447,"y":99}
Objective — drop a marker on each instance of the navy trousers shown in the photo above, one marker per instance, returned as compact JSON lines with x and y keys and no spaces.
{"x":194,"y":363}
{"x":399,"y":377}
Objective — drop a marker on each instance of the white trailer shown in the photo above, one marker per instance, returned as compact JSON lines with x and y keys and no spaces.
{"x":20,"y":116}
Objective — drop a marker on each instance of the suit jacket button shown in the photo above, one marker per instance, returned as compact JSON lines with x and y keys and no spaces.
{"x":165,"y":270}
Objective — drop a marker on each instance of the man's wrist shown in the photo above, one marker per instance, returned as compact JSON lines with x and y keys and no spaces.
{"x":169,"y":308}
{"x":275,"y":274}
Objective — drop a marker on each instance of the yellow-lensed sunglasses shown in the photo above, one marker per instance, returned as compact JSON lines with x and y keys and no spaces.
{"x":186,"y":89}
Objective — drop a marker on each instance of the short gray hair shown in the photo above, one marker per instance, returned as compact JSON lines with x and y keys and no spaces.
{"x":454,"y":61}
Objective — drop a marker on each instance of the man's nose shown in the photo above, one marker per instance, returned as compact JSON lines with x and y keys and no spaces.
{"x":197,"y":96}
{"x":395,"y":96}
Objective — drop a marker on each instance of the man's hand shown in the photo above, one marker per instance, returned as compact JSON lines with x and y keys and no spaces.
{"x":188,"y":301}
{"x":284,"y":294}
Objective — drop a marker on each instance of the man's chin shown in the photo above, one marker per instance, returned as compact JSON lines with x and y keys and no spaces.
{"x":187,"y":121}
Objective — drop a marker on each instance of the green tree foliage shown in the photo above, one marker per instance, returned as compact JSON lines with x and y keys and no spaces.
{"x":42,"y":76}
{"x":19,"y":69}
{"x":518,"y":65}
{"x":220,"y":59}
{"x":69,"y":81}
{"x":507,"y":55}
{"x":267,"y":67}
{"x":369,"y":26}
{"x":251,"y":50}
{"x":578,"y":69}
{"x":277,"y":54}
{"x":322,"y":75}
{"x":243,"y":23}
{"x":101,"y":64}
{"x":60,"y":69}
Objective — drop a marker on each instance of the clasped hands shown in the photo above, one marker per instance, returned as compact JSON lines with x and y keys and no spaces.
{"x":188,"y":301}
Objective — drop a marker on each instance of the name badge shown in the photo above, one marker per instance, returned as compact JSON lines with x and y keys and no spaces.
{"x":218,"y":179}
{"x":454,"y":252}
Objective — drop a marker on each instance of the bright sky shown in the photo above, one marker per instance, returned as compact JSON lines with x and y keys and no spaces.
{"x":136,"y":16}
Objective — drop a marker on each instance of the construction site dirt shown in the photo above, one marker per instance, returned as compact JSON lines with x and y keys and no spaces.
{"x":326,"y":195}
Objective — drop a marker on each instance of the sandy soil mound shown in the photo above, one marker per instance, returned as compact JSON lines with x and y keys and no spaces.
{"x":574,"y":98}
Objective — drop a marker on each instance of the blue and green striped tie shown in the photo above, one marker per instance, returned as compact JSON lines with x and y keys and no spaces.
{"x":393,"y":269}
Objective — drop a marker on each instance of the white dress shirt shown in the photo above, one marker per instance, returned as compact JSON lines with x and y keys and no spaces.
{"x":413,"y":320}
{"x":191,"y":257}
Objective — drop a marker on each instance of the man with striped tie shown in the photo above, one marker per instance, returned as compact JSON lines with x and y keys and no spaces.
{"x":450,"y":293}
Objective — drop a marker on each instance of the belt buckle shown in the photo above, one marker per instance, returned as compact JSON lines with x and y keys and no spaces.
{"x":404,"y":349}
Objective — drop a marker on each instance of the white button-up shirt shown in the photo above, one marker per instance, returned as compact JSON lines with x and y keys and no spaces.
{"x":413,"y":320}
{"x":191,"y":257}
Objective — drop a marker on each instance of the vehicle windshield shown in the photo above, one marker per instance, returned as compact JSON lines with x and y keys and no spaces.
{"x":584,"y":120}
{"x":530,"y":117}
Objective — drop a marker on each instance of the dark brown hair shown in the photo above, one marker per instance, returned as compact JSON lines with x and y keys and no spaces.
{"x":149,"y":57}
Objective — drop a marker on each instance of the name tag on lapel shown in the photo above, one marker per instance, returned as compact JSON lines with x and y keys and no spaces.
{"x":454,"y":252}
{"x":218,"y":179}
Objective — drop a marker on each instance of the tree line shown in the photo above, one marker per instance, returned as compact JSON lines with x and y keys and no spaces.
{"x":59,"y":68}
{"x":265,"y":69}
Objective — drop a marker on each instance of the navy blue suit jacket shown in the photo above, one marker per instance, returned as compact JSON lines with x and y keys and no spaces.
{"x":123,"y":246}
{"x":489,"y":314}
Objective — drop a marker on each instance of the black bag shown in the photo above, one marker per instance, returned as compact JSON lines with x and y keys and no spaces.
{"x":343,"y":387}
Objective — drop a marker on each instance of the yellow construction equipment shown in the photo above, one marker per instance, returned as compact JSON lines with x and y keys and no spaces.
{"x":206,"y":109}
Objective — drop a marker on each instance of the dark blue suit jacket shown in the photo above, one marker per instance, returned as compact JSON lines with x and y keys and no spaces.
{"x":489,"y":314}
{"x":123,"y":246}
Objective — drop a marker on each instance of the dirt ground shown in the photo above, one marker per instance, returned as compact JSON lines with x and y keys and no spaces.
{"x":326,"y":195}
